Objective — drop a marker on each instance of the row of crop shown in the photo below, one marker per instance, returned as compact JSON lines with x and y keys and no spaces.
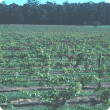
{"x":55,"y":98}
{"x":47,"y":78}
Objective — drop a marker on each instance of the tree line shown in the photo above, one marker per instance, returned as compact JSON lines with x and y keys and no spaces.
{"x":52,"y":13}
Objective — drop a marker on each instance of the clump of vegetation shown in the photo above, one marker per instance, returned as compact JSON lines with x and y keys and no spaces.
{"x":96,"y":23}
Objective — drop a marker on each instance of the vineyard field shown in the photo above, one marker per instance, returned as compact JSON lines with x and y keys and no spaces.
{"x":54,"y":67}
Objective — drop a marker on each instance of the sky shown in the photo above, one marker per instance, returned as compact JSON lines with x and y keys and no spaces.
{"x":21,"y":2}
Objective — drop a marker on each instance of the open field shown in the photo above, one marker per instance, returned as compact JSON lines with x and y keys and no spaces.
{"x":44,"y":66}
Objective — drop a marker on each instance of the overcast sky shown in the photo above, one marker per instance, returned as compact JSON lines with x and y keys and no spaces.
{"x":21,"y":2}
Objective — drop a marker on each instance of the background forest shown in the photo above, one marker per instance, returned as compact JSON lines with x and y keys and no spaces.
{"x":51,"y":13}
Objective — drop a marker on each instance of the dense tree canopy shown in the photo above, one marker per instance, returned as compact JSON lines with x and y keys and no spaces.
{"x":51,"y":13}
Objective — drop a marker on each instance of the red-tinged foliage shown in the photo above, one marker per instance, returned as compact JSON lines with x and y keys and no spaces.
{"x":27,"y":44}
{"x":79,"y":54}
{"x":17,"y":48}
{"x":69,"y":57}
{"x":63,"y":55}
{"x":70,"y":45}
{"x":64,"y":41}
{"x":21,"y":48}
